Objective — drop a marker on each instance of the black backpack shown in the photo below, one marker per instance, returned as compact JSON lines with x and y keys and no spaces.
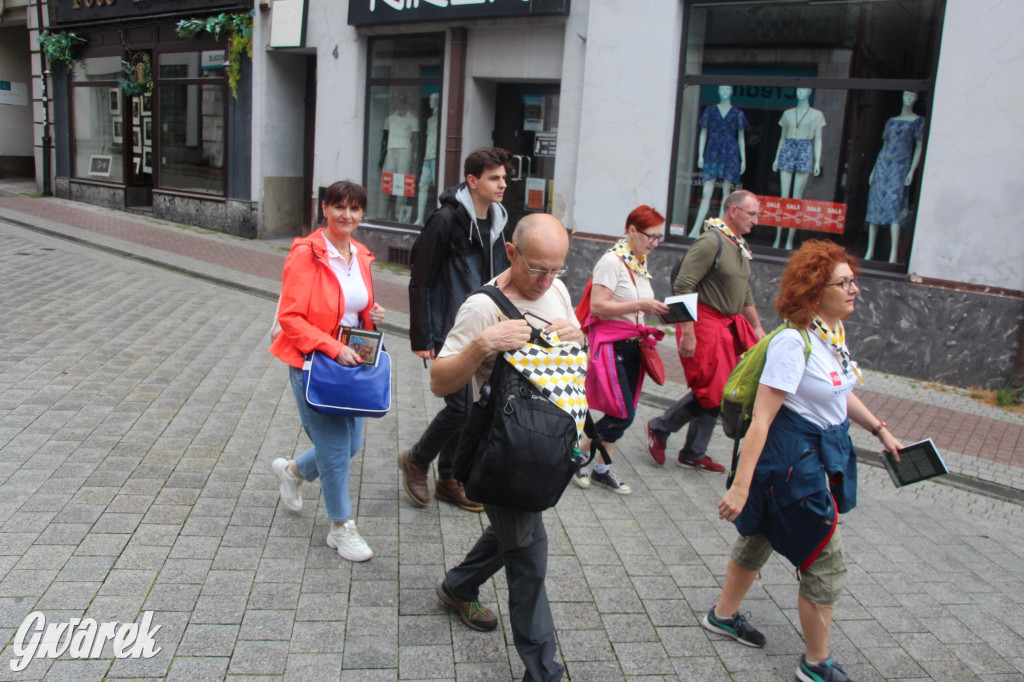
{"x":518,"y":449}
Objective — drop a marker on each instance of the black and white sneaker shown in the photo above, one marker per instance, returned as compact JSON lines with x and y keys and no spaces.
{"x":581,"y":478}
{"x":608,"y":480}
{"x":736,"y":627}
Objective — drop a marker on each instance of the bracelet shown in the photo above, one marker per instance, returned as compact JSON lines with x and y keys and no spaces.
{"x":878,"y":429}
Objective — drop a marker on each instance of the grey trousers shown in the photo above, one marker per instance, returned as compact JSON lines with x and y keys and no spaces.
{"x":702,"y":426}
{"x":518,"y":541}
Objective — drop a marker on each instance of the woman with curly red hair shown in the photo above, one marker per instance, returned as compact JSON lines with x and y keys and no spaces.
{"x":797,"y":467}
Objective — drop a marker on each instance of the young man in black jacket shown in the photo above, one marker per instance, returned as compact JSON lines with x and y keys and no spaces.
{"x":461,"y":247}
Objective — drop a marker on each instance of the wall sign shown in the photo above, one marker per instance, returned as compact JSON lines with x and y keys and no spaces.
{"x":369,"y":12}
{"x":84,"y":11}
{"x":13,"y":93}
{"x":288,"y":24}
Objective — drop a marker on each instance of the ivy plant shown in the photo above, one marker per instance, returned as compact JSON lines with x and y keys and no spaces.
{"x":59,"y":46}
{"x":238,"y":29}
{"x":136,"y":75}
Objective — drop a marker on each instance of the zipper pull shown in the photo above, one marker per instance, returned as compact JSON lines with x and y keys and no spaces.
{"x":508,"y":403}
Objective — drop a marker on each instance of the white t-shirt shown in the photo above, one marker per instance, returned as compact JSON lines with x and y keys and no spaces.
{"x":801,"y":125}
{"x":400,"y":128}
{"x":479,"y":312}
{"x":353,"y":288}
{"x":612,"y":273}
{"x":817,"y":392}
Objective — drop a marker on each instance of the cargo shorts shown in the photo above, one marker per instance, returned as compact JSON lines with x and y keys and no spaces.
{"x":821,"y":583}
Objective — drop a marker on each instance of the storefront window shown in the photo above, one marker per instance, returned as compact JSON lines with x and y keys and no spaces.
{"x":98,"y":121}
{"x":403,"y":110}
{"x":812,"y":107}
{"x":192,"y":127}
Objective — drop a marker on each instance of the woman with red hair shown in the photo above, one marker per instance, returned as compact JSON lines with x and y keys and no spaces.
{"x":620,"y":296}
{"x":797,"y":467}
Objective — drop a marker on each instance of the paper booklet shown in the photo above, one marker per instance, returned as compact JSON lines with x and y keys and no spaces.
{"x":918,"y":462}
{"x":680,"y":309}
{"x":366,"y":343}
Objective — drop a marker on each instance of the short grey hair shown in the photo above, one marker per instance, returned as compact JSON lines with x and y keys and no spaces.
{"x":737,"y":198}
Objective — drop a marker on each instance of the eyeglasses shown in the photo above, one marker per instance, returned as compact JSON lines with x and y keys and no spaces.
{"x":753,"y":214}
{"x":651,"y":238}
{"x":540,"y":273}
{"x":846,"y":284}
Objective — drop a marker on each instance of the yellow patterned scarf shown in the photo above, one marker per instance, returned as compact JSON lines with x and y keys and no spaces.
{"x":719,"y":224}
{"x":623,"y":250}
{"x":836,"y":338}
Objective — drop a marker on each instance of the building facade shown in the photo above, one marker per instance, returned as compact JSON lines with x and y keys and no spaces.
{"x":891,"y":127}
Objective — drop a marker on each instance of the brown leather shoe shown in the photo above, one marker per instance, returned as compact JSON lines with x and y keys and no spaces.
{"x":474,"y":614}
{"x":414,"y":479}
{"x":450,"y":490}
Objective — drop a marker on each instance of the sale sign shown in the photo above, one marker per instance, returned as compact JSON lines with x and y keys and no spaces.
{"x":803,"y":214}
{"x":397,"y":184}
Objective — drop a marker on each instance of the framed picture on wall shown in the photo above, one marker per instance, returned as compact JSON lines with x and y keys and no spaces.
{"x":99,"y":165}
{"x":136,"y":140}
{"x":147,"y":131}
{"x":115,"y":101}
{"x":147,"y":104}
{"x":118,"y":135}
{"x":147,"y":160}
{"x":135,"y":110}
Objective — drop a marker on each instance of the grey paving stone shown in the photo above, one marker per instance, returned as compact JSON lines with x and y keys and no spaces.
{"x":267,"y":625}
{"x":259,"y":658}
{"x":320,"y":666}
{"x":190,"y":669}
{"x":369,"y":652}
{"x":208,"y":640}
{"x":425,"y":662}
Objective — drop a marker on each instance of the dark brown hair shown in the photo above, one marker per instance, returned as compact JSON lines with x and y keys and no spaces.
{"x":483,"y":158}
{"x":345,"y":193}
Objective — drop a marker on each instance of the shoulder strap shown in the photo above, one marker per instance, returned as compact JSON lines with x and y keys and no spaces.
{"x":501,"y":300}
{"x":718,"y":251}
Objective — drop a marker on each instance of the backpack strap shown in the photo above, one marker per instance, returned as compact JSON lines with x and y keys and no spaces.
{"x":679,"y":263}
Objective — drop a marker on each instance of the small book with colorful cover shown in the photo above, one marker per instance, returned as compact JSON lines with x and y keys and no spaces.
{"x":365,"y":342}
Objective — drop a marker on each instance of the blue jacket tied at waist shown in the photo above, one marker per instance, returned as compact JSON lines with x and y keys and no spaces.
{"x":804,"y":476}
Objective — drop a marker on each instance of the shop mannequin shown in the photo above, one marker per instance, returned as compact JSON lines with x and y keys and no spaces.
{"x":722,"y":151}
{"x":893,"y":172}
{"x":428,"y":173}
{"x":401,"y":129}
{"x":799,"y":152}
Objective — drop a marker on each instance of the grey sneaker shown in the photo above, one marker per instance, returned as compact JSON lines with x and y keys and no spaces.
{"x":350,"y":545}
{"x":736,"y":627}
{"x":609,"y":480}
{"x":291,"y":485}
{"x":581,"y":478}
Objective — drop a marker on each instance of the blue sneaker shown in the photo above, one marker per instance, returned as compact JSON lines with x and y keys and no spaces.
{"x":826,"y":671}
{"x":736,"y":627}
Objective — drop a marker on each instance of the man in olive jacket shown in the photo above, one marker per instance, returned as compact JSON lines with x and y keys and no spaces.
{"x":461,"y":247}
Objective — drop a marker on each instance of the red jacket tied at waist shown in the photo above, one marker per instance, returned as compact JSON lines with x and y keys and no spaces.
{"x":721,"y":339}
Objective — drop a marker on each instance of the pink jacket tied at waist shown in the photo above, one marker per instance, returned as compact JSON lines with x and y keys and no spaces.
{"x":604,"y":392}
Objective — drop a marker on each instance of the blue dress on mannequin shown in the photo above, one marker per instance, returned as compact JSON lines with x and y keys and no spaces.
{"x":721,"y":152}
{"x":888,"y":196}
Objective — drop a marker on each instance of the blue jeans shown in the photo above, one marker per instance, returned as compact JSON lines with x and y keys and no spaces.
{"x":335,"y":441}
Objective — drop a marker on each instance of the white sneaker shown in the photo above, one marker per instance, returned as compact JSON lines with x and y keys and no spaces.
{"x":291,"y":485}
{"x":581,"y":478}
{"x":350,"y":545}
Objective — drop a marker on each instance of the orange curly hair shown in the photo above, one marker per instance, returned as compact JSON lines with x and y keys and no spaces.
{"x":809,"y":270}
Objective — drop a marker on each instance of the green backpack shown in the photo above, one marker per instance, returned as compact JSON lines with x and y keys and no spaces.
{"x":741,"y":389}
{"x":741,"y":386}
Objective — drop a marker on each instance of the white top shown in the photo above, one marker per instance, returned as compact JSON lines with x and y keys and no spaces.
{"x":353,"y":288}
{"x":801,"y":125}
{"x":430,"y":151}
{"x":816,"y":392}
{"x":400,"y":128}
{"x":479,"y":312}
{"x":612,"y":273}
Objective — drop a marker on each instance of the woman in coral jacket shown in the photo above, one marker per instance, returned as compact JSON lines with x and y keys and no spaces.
{"x":326,"y":285}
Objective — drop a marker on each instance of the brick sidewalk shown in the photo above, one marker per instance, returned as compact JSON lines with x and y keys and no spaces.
{"x":996,"y":439}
